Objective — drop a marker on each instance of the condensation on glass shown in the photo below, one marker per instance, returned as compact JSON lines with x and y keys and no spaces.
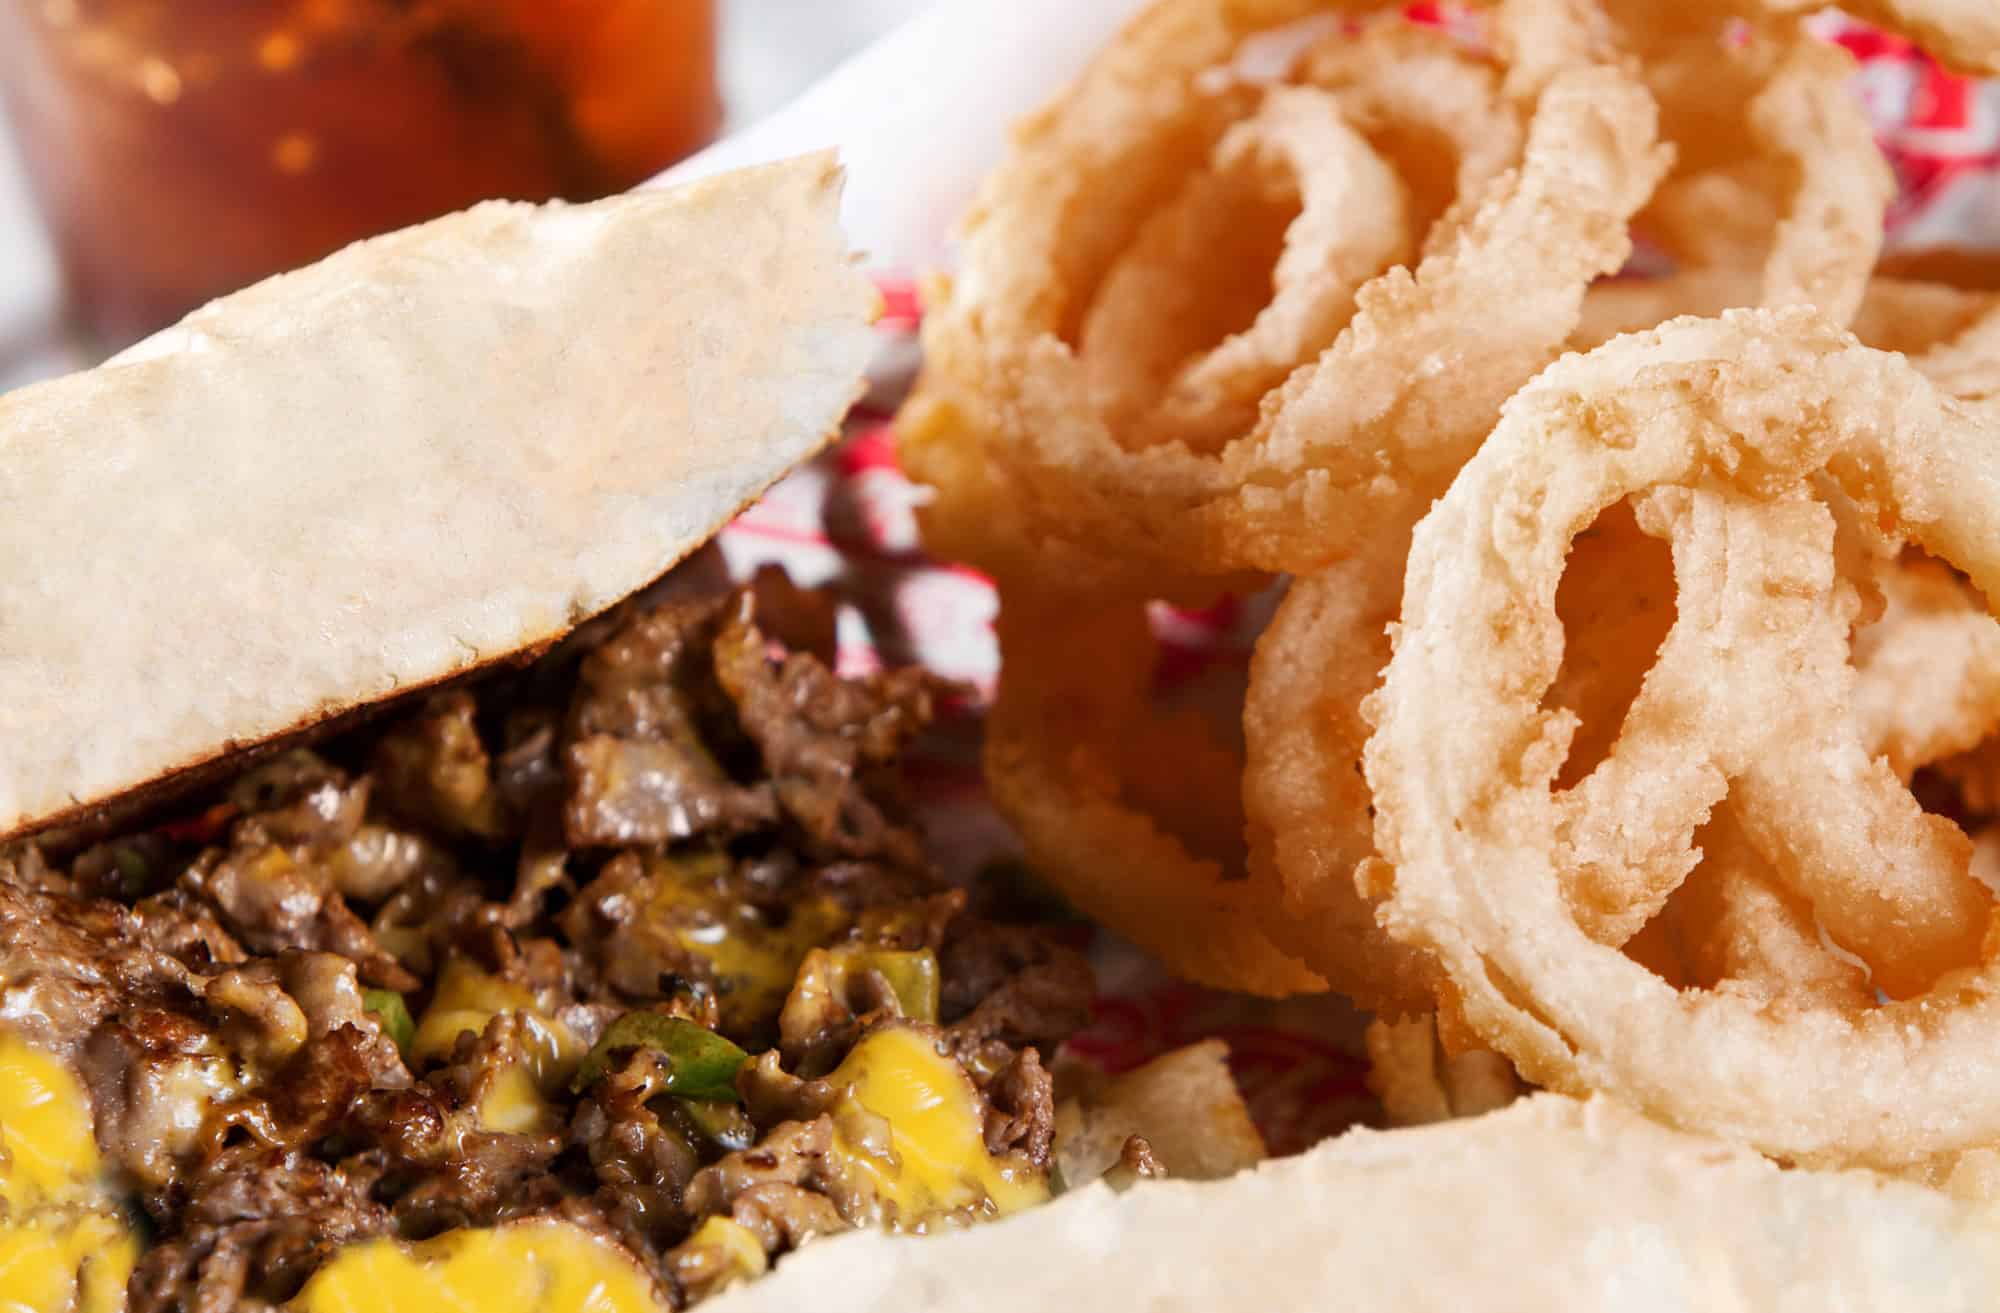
{"x":183,"y":148}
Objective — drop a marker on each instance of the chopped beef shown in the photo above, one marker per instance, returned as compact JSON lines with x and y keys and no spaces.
{"x":186,"y":930}
{"x":300,"y":801}
{"x":433,"y":771}
{"x":801,"y":619}
{"x":774,"y":1095}
{"x":256,"y":1222}
{"x":632,"y":950}
{"x":350,"y":997}
{"x":327,"y":990}
{"x":272,"y":897}
{"x":1136,"y":1162}
{"x":66,"y":964}
{"x":1022,"y":1108}
{"x":639,"y":768}
{"x":526,"y":772}
{"x":817,"y":734}
{"x":1014,"y":984}
{"x":151,"y":1072}
{"x":641,"y":1165}
{"x":791,"y":1153}
{"x":379,"y":860}
{"x":634,"y":791}
{"x":785,"y":1216}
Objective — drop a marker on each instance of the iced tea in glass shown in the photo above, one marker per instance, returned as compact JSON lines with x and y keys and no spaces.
{"x":183,"y":148}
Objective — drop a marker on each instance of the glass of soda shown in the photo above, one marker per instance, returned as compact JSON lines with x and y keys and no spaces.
{"x":181,"y":149}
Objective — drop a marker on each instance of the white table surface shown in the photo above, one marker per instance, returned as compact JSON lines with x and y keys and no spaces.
{"x":771,"y":50}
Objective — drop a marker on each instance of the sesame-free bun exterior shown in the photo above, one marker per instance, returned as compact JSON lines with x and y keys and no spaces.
{"x":430,"y":452}
{"x":1549,"y":1205}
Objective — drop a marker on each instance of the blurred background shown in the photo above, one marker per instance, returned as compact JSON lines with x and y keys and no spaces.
{"x":159,"y":152}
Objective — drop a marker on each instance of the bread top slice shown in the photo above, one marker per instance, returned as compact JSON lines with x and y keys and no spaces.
{"x":430,"y":452}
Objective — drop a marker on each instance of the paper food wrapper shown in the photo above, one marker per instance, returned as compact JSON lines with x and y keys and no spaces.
{"x":919,"y":117}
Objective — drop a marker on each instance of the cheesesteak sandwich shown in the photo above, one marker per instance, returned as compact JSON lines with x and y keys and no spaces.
{"x":451,"y":879}
{"x":410,"y":900}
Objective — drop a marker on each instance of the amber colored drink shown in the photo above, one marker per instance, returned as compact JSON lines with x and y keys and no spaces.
{"x":183,"y":148}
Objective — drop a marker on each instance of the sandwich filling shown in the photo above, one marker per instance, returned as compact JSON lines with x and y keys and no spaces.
{"x":621,"y":972}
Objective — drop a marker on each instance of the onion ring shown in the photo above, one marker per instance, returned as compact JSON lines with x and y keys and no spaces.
{"x":1927,"y":685}
{"x":1463,"y":755}
{"x":1731,"y":922}
{"x":1914,"y":315}
{"x":1967,"y":363}
{"x":1072,"y":701}
{"x":1098,"y":196}
{"x":1795,"y":221}
{"x":1928,"y":670}
{"x":1348,"y":445}
{"x":1804,"y":208}
{"x":1354,"y":445}
{"x":1975,"y":774}
{"x":1312,"y":843}
{"x":1140,"y":342}
{"x":1441,"y":115}
{"x":1418,"y":1082}
{"x":1927,"y":690}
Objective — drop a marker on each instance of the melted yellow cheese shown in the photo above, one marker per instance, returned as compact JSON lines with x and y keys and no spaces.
{"x":467,"y":998}
{"x":45,"y":1131}
{"x":734,"y":1245}
{"x":540,"y":1266}
{"x":513,"y":1103}
{"x":935,"y":1160}
{"x":66,"y":1262}
{"x":703,"y":909}
{"x":65,"y":1247}
{"x":911,"y":976}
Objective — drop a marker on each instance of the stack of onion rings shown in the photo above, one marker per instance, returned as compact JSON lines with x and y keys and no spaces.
{"x":1674,"y":668}
{"x":1115,"y":226}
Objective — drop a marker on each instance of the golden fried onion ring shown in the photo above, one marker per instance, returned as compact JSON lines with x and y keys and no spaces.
{"x":1927,"y":685}
{"x":1347,"y":445}
{"x":1716,"y":429}
{"x":1418,"y":1082}
{"x":1068,"y":740}
{"x":1312,"y":841}
{"x":1794,"y":220}
{"x":1354,"y":445}
{"x":1799,"y":212}
{"x":1928,"y":670}
{"x":1141,"y":348}
{"x":1442,"y":115}
{"x":1918,"y":315}
{"x":1926,"y":691}
{"x":1732,"y":921}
